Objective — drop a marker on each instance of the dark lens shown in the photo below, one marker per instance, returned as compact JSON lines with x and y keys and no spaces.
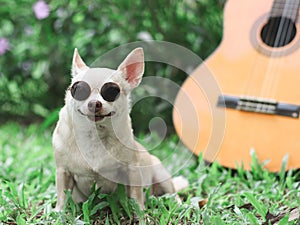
{"x":80,"y":90}
{"x":110,"y":91}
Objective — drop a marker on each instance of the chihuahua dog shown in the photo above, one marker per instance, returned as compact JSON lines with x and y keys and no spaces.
{"x":93,"y":141}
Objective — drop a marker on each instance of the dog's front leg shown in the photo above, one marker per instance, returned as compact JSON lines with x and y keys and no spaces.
{"x":135,"y":187}
{"x":64,"y":181}
{"x":136,"y":192}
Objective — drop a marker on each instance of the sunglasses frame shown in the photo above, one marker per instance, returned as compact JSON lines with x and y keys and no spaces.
{"x":98,"y":89}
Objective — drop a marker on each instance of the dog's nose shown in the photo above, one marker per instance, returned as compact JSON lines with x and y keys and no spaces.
{"x":94,"y":106}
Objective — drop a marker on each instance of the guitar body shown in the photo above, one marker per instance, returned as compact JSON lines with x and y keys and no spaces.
{"x":243,"y":65}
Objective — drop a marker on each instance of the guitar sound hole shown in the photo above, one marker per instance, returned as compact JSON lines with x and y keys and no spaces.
{"x":278,"y":32}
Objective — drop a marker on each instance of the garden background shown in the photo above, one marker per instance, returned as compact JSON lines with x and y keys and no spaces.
{"x":37,"y":40}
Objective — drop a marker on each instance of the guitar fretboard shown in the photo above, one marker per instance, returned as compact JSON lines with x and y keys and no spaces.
{"x":285,"y":8}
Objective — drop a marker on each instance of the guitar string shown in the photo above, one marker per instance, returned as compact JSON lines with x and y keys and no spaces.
{"x":275,"y":81}
{"x":289,"y":27}
{"x":268,"y":69}
{"x":251,"y":86}
{"x":275,"y":69}
{"x":274,"y":85}
{"x":267,"y":90}
{"x":274,"y":65}
{"x":273,"y":75}
{"x":273,"y":62}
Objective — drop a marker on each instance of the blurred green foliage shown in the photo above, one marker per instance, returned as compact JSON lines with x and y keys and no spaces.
{"x":35,"y":71}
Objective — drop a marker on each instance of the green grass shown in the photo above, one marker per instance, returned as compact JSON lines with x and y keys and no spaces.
{"x":27,"y":189}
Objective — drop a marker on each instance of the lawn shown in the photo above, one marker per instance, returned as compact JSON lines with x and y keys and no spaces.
{"x":215,"y":196}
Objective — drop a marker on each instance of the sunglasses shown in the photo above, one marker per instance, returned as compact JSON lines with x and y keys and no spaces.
{"x":80,"y":91}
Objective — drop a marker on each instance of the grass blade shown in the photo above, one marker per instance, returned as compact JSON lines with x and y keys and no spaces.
{"x":253,"y":219}
{"x":21,"y":220}
{"x":260,"y":207}
{"x":283,"y":169}
{"x":284,"y":220}
{"x":86,"y":212}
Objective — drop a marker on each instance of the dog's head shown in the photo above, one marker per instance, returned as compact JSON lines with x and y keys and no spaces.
{"x":99,"y":94}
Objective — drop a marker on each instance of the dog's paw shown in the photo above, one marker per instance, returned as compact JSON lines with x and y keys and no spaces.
{"x":58,"y":208}
{"x":180,"y":183}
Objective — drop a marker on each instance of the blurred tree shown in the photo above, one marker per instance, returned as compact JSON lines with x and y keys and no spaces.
{"x":38,"y":38}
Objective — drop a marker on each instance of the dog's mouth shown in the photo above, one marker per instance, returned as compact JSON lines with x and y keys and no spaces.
{"x":97,"y":116}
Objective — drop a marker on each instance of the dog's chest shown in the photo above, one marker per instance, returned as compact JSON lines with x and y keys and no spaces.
{"x":92,"y":155}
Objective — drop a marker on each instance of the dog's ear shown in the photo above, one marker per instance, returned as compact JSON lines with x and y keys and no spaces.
{"x":77,"y":65}
{"x":132,"y":68}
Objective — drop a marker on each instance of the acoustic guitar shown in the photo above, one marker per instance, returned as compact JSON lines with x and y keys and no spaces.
{"x":256,"y":105}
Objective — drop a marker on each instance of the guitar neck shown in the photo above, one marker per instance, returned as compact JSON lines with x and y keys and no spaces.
{"x":285,"y":8}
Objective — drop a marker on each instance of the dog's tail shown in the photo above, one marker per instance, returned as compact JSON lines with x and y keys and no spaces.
{"x":180,"y":183}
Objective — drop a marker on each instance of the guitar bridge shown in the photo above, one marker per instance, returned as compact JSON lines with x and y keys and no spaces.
{"x":259,"y":105}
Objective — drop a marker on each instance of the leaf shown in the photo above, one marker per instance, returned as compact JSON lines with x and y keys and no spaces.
{"x":113,"y":204}
{"x":51,"y":119}
{"x":86,"y":212}
{"x":252,"y":219}
{"x":7,"y":28}
{"x":13,"y":193}
{"x":294,"y":214}
{"x":238,"y":211}
{"x":137,"y":210}
{"x":217,"y":220}
{"x":20,"y":220}
{"x":256,"y":166}
{"x":284,"y":220}
{"x":23,"y":201}
{"x":107,"y":221}
{"x":40,"y":110}
{"x":283,"y":168}
{"x":286,"y":216}
{"x":39,"y":69}
{"x":202,"y":203}
{"x":260,"y":207}
{"x":98,"y":207}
